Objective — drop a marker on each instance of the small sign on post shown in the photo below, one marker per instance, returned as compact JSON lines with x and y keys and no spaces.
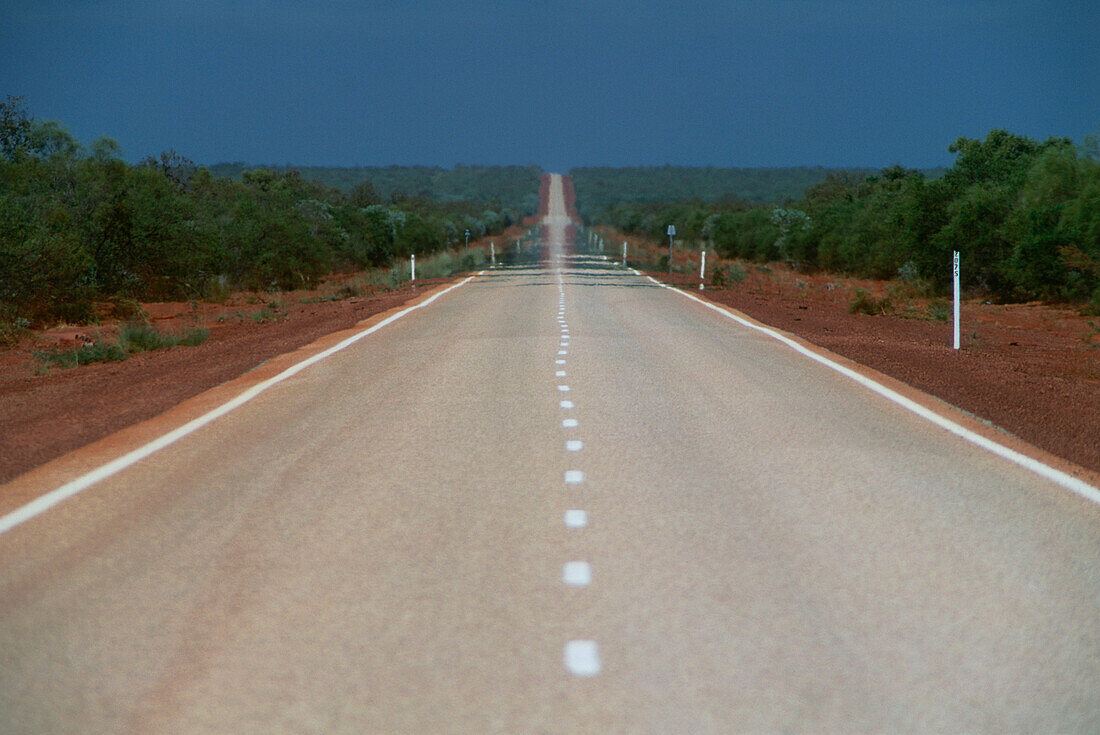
{"x":955,"y":285}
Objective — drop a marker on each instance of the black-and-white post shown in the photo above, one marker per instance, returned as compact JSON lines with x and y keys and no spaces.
{"x":955,"y":283}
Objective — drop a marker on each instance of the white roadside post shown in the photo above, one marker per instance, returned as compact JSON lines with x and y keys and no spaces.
{"x":671,"y":234}
{"x":702,"y":269}
{"x":624,"y":253}
{"x":493,"y":253}
{"x":955,"y":279}
{"x":412,"y":267}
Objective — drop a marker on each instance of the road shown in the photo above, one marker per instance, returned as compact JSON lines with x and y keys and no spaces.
{"x":558,"y":499}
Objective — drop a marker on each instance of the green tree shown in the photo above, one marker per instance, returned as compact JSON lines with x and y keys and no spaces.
{"x":15,"y":127}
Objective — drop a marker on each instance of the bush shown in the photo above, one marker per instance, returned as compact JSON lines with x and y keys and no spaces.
{"x":1093,"y":307}
{"x":132,"y":339}
{"x":726,"y":275}
{"x":83,"y":355}
{"x":12,"y":330}
{"x":939,"y":310}
{"x":139,"y":338}
{"x":866,"y":303}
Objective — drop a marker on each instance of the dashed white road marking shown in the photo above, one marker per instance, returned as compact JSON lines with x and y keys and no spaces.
{"x":577,"y":573}
{"x":563,"y":352}
{"x":574,"y":445}
{"x":567,"y":404}
{"x":582,"y":658}
{"x":559,"y":362}
{"x":563,"y":388}
{"x":576,"y":518}
{"x":574,"y":477}
{"x":569,"y":423}
{"x":559,"y":374}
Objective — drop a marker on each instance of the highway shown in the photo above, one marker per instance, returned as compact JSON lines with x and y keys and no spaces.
{"x":561,"y":499}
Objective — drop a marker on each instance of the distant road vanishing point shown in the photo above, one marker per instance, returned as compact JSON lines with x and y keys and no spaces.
{"x":556,"y":498}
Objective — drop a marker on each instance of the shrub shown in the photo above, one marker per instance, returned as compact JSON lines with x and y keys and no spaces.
{"x":347,"y":292}
{"x":866,"y":303}
{"x":132,"y":339}
{"x":939,"y":310}
{"x":139,"y":338}
{"x":726,"y":275}
{"x":263,"y":316}
{"x":1093,"y":307}
{"x":12,"y":330}
{"x":83,"y":355}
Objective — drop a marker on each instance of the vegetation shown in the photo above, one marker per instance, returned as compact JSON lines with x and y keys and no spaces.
{"x":1025,"y":215}
{"x":513,"y":188}
{"x":600,"y":189}
{"x":132,"y":340}
{"x":79,"y":228}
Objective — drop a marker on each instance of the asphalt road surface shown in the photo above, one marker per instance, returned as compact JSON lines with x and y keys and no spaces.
{"x":558,"y":499}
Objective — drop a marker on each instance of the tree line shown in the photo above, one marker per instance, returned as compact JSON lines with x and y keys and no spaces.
{"x":601,"y":188}
{"x":1024,"y":214}
{"x":81,"y":226}
{"x":513,"y":187}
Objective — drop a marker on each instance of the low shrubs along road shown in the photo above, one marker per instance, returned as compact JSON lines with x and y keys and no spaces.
{"x":132,"y":339}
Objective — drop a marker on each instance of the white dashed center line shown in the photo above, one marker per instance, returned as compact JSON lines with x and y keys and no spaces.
{"x":576,"y":518}
{"x":577,"y":574}
{"x":582,"y":658}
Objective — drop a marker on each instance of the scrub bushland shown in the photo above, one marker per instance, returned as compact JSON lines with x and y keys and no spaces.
{"x":81,"y":227}
{"x":1024,"y":214}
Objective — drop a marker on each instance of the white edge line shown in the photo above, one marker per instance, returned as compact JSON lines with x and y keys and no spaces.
{"x":44,"y":502}
{"x":1067,"y":481}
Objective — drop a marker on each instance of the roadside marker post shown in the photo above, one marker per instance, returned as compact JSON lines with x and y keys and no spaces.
{"x":955,"y":280}
{"x":671,"y":234}
{"x":702,"y":269}
{"x":412,"y":267}
{"x":624,"y":253}
{"x":493,"y":253}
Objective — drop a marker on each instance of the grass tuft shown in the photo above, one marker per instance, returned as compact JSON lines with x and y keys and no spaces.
{"x":132,"y":340}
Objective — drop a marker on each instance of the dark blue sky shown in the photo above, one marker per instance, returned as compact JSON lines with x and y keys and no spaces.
{"x":559,"y":83}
